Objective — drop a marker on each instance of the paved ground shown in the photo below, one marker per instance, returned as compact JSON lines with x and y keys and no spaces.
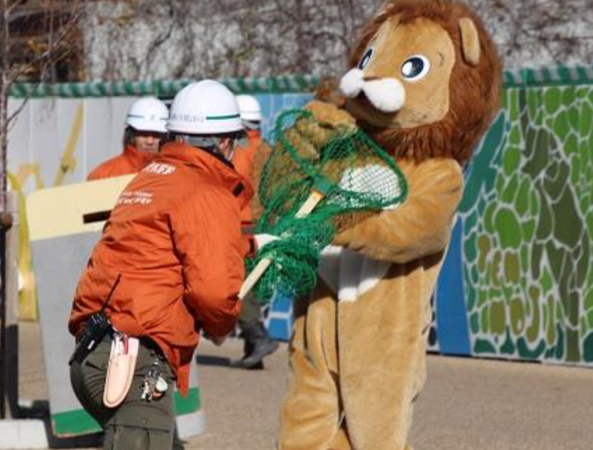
{"x":468,"y":404}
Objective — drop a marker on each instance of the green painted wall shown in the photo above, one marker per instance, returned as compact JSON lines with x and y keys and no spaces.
{"x":528,"y":227}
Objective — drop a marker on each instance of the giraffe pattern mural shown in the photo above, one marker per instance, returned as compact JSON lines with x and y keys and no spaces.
{"x":528,"y":227}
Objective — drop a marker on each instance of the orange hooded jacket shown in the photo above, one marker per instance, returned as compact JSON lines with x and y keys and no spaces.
{"x":243,"y":162}
{"x":175,"y":239}
{"x":130,"y":161}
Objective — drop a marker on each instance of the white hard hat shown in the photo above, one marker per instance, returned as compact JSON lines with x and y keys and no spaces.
{"x":148,"y":114}
{"x":205,"y":107}
{"x":249,"y":108}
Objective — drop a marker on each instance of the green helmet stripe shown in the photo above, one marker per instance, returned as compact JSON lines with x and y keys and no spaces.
{"x":230,"y":116}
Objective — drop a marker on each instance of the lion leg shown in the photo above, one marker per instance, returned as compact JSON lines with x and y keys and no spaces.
{"x":382,"y":343}
{"x":312,"y":412}
{"x":341,"y":441}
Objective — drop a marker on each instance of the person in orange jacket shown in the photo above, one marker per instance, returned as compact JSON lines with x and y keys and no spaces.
{"x":169,"y":265}
{"x":258,"y":343}
{"x":145,"y":129}
{"x":244,"y":156}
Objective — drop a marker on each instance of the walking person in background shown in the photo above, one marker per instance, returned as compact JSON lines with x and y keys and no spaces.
{"x":258,"y":343}
{"x":145,"y":130}
{"x":169,"y":264}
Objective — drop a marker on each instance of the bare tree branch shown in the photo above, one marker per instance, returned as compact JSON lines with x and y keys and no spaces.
{"x":233,"y":38}
{"x":55,"y":22}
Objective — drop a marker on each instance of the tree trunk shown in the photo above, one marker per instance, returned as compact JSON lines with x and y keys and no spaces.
{"x":4,"y":84}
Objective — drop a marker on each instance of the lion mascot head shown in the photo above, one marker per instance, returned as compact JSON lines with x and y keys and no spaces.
{"x":424,"y":79}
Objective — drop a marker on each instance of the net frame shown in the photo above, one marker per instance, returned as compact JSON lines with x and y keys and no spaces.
{"x":309,"y":161}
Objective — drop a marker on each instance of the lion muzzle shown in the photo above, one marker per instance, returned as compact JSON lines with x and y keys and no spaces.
{"x":387,"y":95}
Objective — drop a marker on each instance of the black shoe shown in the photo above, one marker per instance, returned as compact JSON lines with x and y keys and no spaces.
{"x":258,"y":366}
{"x":258,"y":345}
{"x":262,"y":349}
{"x":247,"y":350}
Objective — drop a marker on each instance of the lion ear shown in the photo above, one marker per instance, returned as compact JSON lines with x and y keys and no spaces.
{"x":470,"y":41}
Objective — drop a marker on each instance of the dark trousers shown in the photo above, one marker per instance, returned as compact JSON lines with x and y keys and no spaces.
{"x":250,"y":312}
{"x":136,"y":423}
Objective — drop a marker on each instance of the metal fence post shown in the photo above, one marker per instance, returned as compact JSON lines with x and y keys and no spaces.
{"x":9,"y":344}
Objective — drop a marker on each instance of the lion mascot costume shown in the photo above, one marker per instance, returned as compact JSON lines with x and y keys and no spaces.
{"x":424,"y":84}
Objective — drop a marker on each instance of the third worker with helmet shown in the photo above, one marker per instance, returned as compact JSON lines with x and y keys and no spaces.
{"x":257,"y":341}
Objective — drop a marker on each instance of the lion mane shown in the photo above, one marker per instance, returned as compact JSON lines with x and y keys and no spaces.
{"x":474,"y":90}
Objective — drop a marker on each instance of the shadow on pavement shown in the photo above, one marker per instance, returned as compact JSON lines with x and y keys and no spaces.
{"x":213,"y":361}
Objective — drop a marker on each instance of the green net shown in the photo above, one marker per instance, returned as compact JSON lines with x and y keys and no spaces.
{"x":352,"y":173}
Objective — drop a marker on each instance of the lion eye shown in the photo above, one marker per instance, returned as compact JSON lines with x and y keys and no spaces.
{"x":415,"y":68}
{"x":364,"y":61}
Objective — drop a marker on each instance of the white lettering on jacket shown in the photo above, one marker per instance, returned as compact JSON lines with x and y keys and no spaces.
{"x":135,"y":198}
{"x":159,"y":168}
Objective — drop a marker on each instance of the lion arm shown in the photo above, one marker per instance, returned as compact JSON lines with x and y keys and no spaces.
{"x":421,"y":226}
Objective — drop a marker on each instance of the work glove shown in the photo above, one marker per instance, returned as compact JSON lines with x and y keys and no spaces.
{"x":264,"y":239}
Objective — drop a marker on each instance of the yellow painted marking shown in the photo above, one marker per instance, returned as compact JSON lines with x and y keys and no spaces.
{"x":68,"y":161}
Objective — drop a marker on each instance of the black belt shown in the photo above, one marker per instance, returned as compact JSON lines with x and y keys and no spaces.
{"x":146,"y":342}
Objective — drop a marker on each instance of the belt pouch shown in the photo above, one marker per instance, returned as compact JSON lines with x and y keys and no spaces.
{"x":120,"y":371}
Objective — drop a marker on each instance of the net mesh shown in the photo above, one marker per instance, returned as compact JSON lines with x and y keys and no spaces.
{"x":355,"y":176}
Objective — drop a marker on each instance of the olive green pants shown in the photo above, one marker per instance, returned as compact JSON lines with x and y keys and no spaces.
{"x":136,"y":424}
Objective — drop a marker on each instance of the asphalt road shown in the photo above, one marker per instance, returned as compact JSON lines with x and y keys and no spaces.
{"x":468,"y":404}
